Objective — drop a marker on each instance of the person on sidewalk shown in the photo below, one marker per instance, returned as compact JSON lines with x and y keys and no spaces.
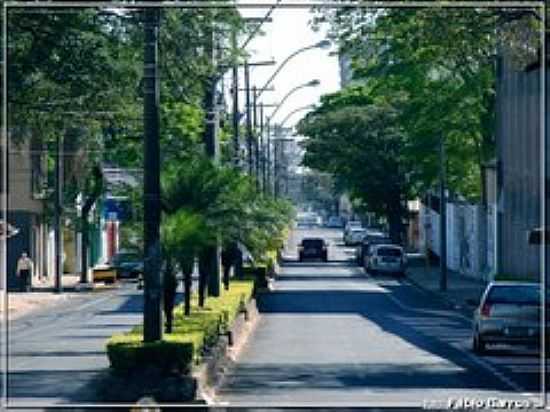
{"x":24,"y":272}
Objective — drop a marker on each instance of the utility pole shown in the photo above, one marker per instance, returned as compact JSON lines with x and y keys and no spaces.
{"x":275,"y":168}
{"x":248,"y":118}
{"x":442,"y":216}
{"x":268,"y":132}
{"x":262,"y":146}
{"x":209,"y":261}
{"x":152,"y":312}
{"x":256,"y":143}
{"x":236,"y":137}
{"x":58,"y":235}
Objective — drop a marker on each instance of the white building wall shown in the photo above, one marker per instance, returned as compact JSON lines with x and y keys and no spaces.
{"x":466,"y":252}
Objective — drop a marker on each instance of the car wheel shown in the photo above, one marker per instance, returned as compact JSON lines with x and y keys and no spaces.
{"x":478,"y":346}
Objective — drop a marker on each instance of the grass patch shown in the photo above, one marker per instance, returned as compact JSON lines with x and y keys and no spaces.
{"x":191,"y":335}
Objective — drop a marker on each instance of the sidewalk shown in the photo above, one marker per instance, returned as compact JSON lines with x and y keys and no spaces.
{"x":42,"y":295}
{"x":459,"y":288}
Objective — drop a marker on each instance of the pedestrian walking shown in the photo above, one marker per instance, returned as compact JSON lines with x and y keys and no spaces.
{"x":24,"y":272}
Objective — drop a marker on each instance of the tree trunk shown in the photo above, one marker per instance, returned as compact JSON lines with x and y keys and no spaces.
{"x":84,"y":251}
{"x":187,"y":269}
{"x":204,"y":260}
{"x":395,"y":220}
{"x":170,"y":286}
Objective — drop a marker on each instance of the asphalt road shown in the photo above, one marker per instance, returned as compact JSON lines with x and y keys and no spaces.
{"x":56,"y":356}
{"x":330,"y":335}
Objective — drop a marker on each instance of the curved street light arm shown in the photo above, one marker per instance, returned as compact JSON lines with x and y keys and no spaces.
{"x":303,"y":49}
{"x":292,"y":113}
{"x":295,"y":89}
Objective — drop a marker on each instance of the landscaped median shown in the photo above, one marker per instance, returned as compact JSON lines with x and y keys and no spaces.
{"x":164,"y":369}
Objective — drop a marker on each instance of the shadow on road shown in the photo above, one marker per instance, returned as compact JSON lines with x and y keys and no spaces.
{"x":375,"y":307}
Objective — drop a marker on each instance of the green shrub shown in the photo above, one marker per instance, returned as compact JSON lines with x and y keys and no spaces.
{"x":127,"y":352}
{"x":190,"y":336}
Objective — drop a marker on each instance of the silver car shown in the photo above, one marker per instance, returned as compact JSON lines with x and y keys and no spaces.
{"x":390,"y":259}
{"x":508,"y":313}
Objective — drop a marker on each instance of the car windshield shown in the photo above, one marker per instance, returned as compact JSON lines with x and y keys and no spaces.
{"x":312,"y":243}
{"x":126,"y":257}
{"x":387,"y":251}
{"x":378,"y":240}
{"x":523,"y":294}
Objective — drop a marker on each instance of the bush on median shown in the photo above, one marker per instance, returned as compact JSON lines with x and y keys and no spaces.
{"x":190,"y":337}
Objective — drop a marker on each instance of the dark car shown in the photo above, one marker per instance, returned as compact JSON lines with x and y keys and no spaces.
{"x":128,"y":264}
{"x":313,"y":248}
{"x":371,"y":238}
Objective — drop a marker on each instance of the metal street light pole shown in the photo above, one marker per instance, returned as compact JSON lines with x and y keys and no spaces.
{"x":236,"y":137}
{"x":248,"y":118}
{"x":256,"y":143}
{"x":262,"y":145}
{"x":442,"y":216}
{"x":152,"y":312}
{"x":299,"y":109}
{"x":322,"y":45}
{"x":58,"y":235}
{"x":311,"y":83}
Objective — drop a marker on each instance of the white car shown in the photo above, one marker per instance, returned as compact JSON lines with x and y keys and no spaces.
{"x":390,"y":259}
{"x":354,"y":236}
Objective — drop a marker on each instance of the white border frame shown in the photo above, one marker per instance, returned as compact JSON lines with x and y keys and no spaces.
{"x":285,"y":4}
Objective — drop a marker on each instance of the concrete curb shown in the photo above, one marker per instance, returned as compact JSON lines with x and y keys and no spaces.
{"x":210,"y":376}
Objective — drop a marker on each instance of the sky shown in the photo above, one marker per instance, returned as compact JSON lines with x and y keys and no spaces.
{"x":288,"y":32}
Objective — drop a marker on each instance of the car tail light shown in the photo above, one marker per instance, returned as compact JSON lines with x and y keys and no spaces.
{"x":486,"y":310}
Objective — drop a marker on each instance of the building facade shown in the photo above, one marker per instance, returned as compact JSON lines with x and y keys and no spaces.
{"x":520,"y":145}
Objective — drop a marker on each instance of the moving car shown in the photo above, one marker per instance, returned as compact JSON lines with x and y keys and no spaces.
{"x":128,"y":264}
{"x":508,"y":313}
{"x":313,"y":248}
{"x":335,"y":222}
{"x":389,"y":259}
{"x":354,"y":236}
{"x":373,"y":237}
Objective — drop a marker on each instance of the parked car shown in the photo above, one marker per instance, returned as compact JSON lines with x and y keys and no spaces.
{"x":128,"y":264}
{"x":308,"y":220}
{"x":373,"y":237}
{"x":354,"y":236}
{"x":389,"y":259}
{"x":313,"y":248}
{"x":335,"y":222}
{"x":508,"y":313}
{"x":351,"y":224}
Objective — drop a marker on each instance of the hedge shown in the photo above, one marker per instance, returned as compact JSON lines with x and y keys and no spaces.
{"x":190,"y":336}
